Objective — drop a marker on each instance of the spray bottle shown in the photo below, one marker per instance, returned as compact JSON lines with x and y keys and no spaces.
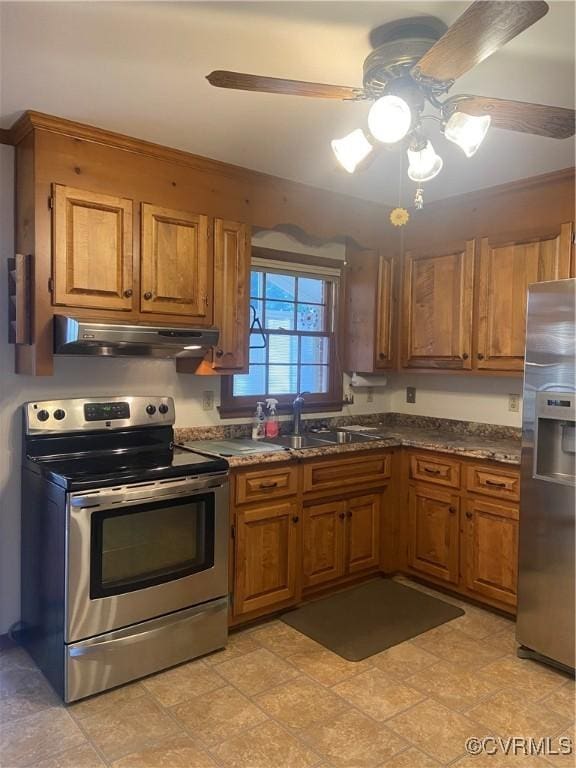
{"x":258,"y":429}
{"x":272,"y":426}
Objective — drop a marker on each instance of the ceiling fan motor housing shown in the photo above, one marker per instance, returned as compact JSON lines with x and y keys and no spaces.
{"x":398,"y":46}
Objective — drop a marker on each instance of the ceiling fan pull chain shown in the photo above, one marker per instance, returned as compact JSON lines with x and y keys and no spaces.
{"x":419,"y":198}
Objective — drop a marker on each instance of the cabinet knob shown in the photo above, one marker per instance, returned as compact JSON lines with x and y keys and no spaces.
{"x":480,"y":356}
{"x":219,"y":352}
{"x":381,"y":356}
{"x":349,"y":513}
{"x":148,"y":295}
{"x":295,"y":519}
{"x":469,"y":515}
{"x":452,"y":510}
{"x":128,"y":292}
{"x":465,"y":356}
{"x":342,"y":515}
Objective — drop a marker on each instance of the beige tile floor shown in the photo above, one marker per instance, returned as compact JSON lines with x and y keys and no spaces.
{"x":276,"y":699}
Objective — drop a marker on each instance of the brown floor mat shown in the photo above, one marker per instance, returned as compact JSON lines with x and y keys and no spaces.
{"x":367,"y":619}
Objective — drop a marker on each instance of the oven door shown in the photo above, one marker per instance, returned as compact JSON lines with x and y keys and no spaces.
{"x":140,"y":551}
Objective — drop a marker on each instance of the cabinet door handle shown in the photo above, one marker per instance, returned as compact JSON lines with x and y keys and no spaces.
{"x":295,"y":519}
{"x":269,"y":484}
{"x":381,"y":356}
{"x":480,"y":356}
{"x":128,"y":292}
{"x":219,"y":352}
{"x":349,"y":513}
{"x":431,"y":471}
{"x":342,"y":515}
{"x":465,"y":356}
{"x":148,"y":295}
{"x":469,"y":515}
{"x":495,"y":483}
{"x":452,"y":510}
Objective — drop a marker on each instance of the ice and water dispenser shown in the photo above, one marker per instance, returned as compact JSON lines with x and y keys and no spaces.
{"x":555,"y":448}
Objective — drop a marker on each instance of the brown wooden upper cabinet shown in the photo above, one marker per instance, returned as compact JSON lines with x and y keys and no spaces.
{"x":370,"y":287}
{"x":506,"y":270}
{"x":231,"y":295}
{"x":437,"y":309}
{"x":176,"y":264}
{"x":92,"y":249}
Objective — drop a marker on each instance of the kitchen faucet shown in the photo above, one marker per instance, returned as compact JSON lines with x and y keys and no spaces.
{"x":297,"y":406}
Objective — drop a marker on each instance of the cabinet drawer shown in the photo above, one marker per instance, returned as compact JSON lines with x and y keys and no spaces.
{"x":344,"y":473}
{"x":435,"y":469}
{"x":504,"y":483}
{"x":265,"y":483}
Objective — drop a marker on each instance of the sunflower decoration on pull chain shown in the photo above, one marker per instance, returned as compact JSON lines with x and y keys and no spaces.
{"x":399,"y":216}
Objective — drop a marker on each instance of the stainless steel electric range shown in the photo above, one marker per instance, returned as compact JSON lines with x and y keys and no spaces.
{"x":124,"y":543}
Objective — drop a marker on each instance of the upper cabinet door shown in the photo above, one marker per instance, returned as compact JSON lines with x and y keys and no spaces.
{"x":506,"y":271}
{"x":437,"y":309}
{"x":231,"y":291}
{"x":384,"y":313}
{"x":176,"y":264}
{"x":92,"y":249}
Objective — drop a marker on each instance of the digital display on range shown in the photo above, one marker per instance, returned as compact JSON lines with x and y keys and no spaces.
{"x":106,"y":411}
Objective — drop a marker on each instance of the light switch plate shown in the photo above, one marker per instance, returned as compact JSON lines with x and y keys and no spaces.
{"x":514,"y":403}
{"x":207,"y":400}
{"x":410,"y":394}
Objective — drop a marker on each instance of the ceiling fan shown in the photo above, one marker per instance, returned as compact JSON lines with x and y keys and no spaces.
{"x":414,"y":62}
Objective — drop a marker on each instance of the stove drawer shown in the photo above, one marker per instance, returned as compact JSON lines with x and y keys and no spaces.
{"x":117,"y":657}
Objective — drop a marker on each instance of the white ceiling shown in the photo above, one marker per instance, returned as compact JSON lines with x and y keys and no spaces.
{"x":139,"y":68}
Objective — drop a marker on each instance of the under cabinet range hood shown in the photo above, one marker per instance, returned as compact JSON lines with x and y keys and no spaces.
{"x":73,"y":336}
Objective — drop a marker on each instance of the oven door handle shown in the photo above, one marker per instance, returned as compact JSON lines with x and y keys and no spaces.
{"x":128,"y":637}
{"x":146,"y":493}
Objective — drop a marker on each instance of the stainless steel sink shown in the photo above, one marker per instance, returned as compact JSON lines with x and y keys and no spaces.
{"x":297,"y":442}
{"x":340,"y":436}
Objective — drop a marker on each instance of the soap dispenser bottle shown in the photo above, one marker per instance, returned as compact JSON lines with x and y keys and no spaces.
{"x":258,"y":431}
{"x":272,"y":426}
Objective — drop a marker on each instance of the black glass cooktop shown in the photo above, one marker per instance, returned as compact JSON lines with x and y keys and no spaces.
{"x":101,"y":470}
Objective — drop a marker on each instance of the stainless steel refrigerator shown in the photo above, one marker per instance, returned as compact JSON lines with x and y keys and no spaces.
{"x":545,"y":622}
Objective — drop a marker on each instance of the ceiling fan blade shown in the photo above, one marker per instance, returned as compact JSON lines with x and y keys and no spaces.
{"x":243,"y":82}
{"x":539,"y":119}
{"x":482,"y":29}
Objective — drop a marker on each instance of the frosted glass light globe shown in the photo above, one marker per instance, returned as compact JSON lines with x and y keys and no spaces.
{"x":467,"y":131}
{"x":389,"y":119}
{"x":351,"y":149}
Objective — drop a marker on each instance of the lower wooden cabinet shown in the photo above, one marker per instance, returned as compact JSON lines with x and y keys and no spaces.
{"x":266,"y":556}
{"x":363,"y":534}
{"x":433,"y":535}
{"x":340,"y":538}
{"x":490,"y":555}
{"x":323,"y":542}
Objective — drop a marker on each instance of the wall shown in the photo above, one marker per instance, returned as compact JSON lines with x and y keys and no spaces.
{"x":77,"y":377}
{"x":482,"y":399}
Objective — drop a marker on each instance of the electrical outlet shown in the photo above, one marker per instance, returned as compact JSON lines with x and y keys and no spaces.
{"x":514,"y":403}
{"x":410,"y":394}
{"x":370,"y":395}
{"x":207,"y":400}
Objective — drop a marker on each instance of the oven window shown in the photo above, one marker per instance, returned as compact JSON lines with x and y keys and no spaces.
{"x":150,"y":544}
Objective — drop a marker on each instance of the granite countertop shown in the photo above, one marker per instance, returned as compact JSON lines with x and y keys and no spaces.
{"x":469,"y":440}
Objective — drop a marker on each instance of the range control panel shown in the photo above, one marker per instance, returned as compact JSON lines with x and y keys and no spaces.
{"x":91,"y":413}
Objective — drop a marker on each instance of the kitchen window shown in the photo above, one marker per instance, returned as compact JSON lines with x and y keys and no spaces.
{"x":293,"y":339}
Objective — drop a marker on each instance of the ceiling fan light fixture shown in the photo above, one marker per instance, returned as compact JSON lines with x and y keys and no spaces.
{"x":351,"y":149}
{"x":425,"y":164}
{"x":389,"y":119}
{"x":467,"y":131}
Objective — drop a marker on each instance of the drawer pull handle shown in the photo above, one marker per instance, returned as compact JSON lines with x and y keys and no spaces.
{"x":269,"y":484}
{"x":431,"y":471}
{"x":495,"y":484}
